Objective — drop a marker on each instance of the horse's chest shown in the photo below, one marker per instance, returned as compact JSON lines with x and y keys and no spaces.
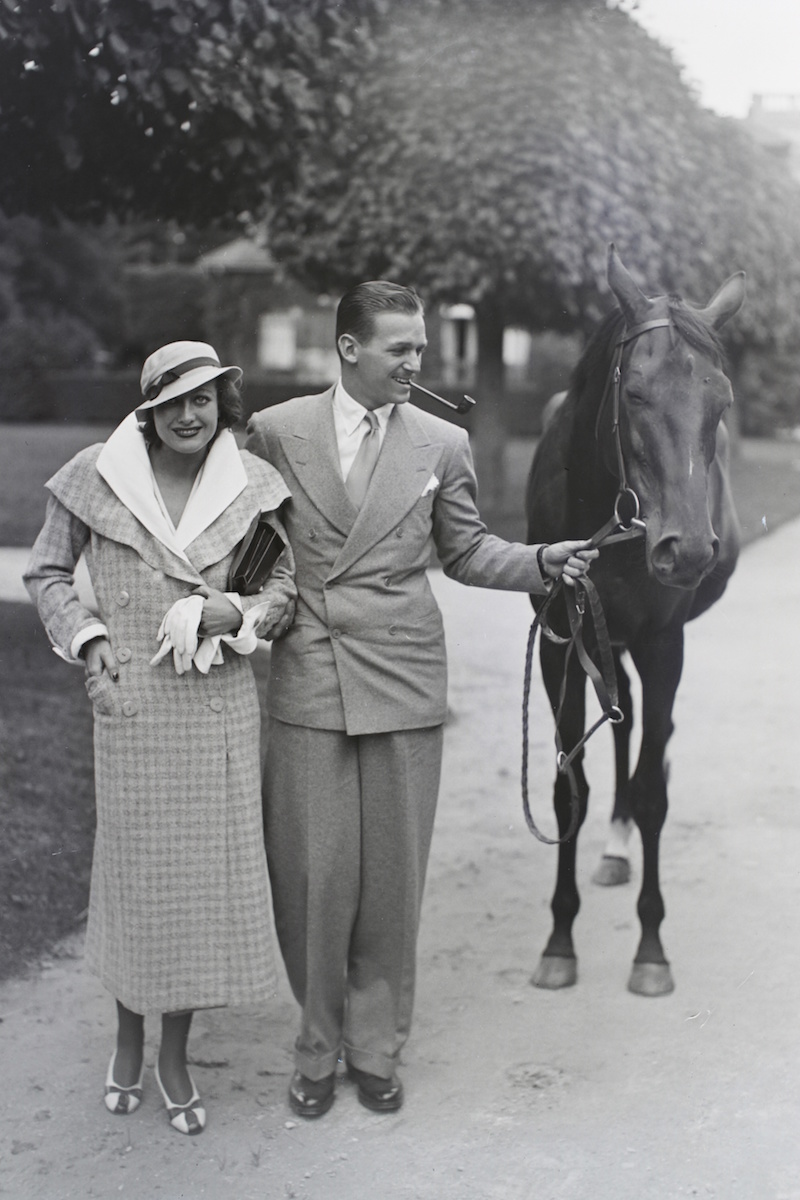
{"x":633,"y":603}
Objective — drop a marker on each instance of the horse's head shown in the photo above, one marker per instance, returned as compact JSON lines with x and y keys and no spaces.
{"x":672,"y":394}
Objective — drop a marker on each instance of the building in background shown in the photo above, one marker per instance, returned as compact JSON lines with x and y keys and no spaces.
{"x":774,"y":121}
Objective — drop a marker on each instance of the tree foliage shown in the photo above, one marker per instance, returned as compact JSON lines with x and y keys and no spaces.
{"x":193,"y":109}
{"x":494,"y":150}
{"x":60,"y":304}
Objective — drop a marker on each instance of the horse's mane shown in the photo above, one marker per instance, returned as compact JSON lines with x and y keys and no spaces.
{"x":595,"y":362}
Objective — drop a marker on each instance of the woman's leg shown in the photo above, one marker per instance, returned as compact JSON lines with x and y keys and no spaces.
{"x":172,"y":1056}
{"x":130,"y":1046}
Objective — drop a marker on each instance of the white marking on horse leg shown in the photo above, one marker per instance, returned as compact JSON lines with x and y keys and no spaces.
{"x":618,"y":837}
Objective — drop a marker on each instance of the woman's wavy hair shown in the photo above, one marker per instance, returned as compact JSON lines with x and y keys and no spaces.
{"x":229,"y":400}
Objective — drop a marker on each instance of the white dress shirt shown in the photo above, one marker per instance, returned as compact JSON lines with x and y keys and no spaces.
{"x":348,"y":417}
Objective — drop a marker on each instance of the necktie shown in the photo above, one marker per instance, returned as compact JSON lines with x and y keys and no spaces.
{"x":364,"y":462}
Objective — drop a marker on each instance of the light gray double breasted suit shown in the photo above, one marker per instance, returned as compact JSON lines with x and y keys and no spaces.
{"x":357,"y":698}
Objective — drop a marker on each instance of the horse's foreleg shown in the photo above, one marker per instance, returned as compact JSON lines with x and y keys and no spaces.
{"x":614,"y":867}
{"x":558,"y":965}
{"x":659,"y":665}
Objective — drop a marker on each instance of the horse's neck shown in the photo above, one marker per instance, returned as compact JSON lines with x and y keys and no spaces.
{"x":589,"y":455}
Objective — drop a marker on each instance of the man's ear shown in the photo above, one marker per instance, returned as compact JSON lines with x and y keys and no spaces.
{"x":348,"y":348}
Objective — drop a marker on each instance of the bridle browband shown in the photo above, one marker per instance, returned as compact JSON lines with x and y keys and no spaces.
{"x":620,"y":526}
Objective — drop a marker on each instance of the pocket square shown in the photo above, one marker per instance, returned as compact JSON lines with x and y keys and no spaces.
{"x":431,"y":485}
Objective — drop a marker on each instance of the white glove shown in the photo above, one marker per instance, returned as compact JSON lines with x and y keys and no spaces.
{"x":178,"y":633}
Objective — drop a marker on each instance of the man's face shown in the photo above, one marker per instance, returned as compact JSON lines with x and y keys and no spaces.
{"x":376,"y":372}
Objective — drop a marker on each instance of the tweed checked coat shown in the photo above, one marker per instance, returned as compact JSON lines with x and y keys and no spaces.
{"x":179,"y":914}
{"x":366,"y":653}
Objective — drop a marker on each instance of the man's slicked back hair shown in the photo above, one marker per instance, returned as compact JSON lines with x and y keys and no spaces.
{"x":359,"y":307}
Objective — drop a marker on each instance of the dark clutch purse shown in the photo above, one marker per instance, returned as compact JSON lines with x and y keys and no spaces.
{"x":255,"y":557}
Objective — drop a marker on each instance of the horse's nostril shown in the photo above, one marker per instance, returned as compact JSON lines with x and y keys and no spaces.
{"x":664,"y":553}
{"x":678,"y":557}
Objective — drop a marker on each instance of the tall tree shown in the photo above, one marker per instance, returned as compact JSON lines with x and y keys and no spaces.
{"x":193,"y":109}
{"x":494,"y":150}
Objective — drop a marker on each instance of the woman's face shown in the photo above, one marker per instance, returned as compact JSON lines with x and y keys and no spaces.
{"x":188,"y":423}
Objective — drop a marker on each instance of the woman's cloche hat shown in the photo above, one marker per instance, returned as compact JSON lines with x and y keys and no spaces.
{"x":180,"y":367}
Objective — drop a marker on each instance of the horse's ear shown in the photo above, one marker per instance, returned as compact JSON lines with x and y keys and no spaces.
{"x":726,"y":301}
{"x":630,"y":296}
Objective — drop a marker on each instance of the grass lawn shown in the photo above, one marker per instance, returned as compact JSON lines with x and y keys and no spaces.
{"x":46,"y":790}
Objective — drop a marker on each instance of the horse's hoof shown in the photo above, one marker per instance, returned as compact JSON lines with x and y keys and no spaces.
{"x":611,"y":871}
{"x":651,"y":979}
{"x":554,"y":972}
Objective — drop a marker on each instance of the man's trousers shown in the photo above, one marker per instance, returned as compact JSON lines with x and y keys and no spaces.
{"x":348,"y":824}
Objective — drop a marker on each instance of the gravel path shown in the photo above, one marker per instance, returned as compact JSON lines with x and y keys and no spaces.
{"x":511,"y":1093}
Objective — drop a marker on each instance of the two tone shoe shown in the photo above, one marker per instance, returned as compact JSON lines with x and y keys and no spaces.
{"x":118,"y":1099}
{"x":189,"y":1118}
{"x":311,"y":1097}
{"x":376,"y":1093}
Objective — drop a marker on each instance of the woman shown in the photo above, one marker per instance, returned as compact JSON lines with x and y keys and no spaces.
{"x":179,"y":912}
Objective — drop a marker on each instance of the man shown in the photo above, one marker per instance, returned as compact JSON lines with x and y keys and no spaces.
{"x":358,"y":688}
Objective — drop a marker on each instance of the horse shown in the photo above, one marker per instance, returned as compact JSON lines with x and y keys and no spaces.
{"x":637,"y":444}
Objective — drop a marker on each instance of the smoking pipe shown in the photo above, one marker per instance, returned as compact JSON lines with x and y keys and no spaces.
{"x":462,"y":407}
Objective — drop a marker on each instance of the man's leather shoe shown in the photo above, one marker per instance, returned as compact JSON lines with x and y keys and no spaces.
{"x":381,"y":1095}
{"x":311,"y":1097}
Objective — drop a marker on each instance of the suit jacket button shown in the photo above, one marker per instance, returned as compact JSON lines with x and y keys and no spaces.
{"x":123,"y":655}
{"x":123,"y":598}
{"x":312,"y":535}
{"x":392,"y":630}
{"x":216,"y":704}
{"x":336,"y":633}
{"x":130,"y":708}
{"x":399,"y":532}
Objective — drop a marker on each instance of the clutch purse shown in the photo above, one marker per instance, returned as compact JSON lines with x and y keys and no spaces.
{"x":255,"y":557}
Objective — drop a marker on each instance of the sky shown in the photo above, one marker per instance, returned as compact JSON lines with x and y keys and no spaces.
{"x":730,"y":49}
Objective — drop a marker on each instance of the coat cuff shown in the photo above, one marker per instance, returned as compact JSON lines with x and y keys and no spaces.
{"x":96,"y":629}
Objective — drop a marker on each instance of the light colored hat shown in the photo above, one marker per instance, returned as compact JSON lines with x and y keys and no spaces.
{"x":180,"y":367}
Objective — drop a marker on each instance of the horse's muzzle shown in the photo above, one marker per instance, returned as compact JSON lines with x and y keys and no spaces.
{"x":681,"y":562}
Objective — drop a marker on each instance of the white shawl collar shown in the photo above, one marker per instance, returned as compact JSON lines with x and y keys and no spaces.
{"x":125,"y":465}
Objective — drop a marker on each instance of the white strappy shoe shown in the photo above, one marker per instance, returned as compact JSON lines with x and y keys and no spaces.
{"x":118,"y":1099}
{"x":186,"y":1118}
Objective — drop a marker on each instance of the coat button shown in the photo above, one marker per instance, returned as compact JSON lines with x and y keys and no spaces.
{"x":336,"y":633}
{"x":216,"y":703}
{"x":130,"y":708}
{"x":123,"y":598}
{"x":399,"y":532}
{"x":123,"y":655}
{"x":312,"y":535}
{"x":392,"y":630}
{"x":387,"y":581}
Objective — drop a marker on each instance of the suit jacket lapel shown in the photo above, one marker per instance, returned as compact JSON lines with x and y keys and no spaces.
{"x":406,"y":462}
{"x":314,"y":455}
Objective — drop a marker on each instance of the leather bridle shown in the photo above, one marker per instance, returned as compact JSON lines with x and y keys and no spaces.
{"x":622,"y":525}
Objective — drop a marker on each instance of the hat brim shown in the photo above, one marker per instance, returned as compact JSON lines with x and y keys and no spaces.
{"x":188,"y":382}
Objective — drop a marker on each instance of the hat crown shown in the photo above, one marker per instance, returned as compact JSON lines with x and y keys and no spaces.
{"x":173,"y":356}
